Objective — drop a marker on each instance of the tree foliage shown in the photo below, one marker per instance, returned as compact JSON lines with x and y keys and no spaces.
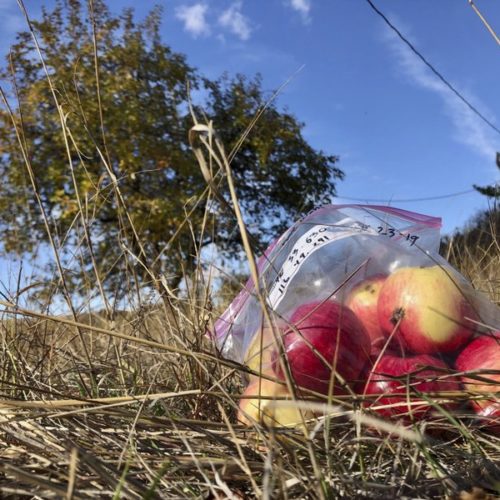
{"x":474,"y":249}
{"x":493,"y":190}
{"x":119,"y":177}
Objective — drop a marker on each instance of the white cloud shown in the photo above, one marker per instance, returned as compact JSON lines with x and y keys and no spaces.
{"x":193,"y":18}
{"x":233,"y":20}
{"x":469,"y":129}
{"x":303,"y":7}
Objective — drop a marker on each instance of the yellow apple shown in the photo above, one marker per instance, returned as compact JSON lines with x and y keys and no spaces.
{"x":260,"y":351}
{"x":289,"y":415}
{"x":363,"y":300}
{"x":256,"y":407}
{"x":426,"y":304}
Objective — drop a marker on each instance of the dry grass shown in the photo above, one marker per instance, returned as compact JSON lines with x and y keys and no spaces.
{"x":475,"y":252}
{"x":140,"y":404}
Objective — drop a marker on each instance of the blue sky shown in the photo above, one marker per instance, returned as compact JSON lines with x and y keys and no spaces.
{"x":362,"y":94}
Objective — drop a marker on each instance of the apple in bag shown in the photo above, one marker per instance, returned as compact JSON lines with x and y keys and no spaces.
{"x":482,"y":356}
{"x":255,"y":406}
{"x":396,"y":382}
{"x":426,"y":310}
{"x":363,"y":301}
{"x":324,"y":339}
{"x":259,"y":355}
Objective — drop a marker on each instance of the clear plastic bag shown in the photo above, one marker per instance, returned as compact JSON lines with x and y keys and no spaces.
{"x":357,"y":296}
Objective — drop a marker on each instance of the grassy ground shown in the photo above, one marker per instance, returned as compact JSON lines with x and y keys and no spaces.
{"x":155,"y":423}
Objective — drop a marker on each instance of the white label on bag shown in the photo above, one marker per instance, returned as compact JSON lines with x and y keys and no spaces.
{"x":317,"y":237}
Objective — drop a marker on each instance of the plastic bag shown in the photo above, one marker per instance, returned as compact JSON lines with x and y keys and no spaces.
{"x":357,"y":298}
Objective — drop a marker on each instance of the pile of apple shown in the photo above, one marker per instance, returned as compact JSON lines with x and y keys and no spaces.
{"x":397,"y":340}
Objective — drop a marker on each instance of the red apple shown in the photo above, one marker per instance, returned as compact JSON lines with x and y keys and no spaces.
{"x":483,"y":355}
{"x":427,"y":308}
{"x":398,"y":381}
{"x":363,"y":300}
{"x":323,"y":335}
{"x":490,"y":416}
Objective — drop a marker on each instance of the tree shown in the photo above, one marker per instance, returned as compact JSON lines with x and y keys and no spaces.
{"x":492,"y":191}
{"x":118,"y":179}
